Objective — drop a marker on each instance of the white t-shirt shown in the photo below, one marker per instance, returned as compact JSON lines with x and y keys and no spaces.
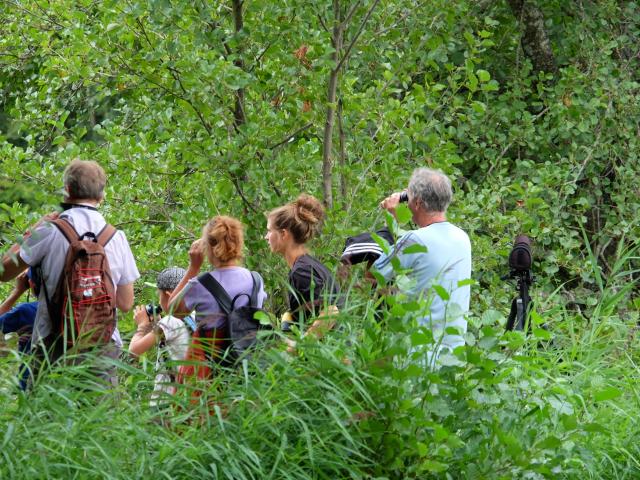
{"x":176,"y":344}
{"x":446,"y":262}
{"x":48,"y":247}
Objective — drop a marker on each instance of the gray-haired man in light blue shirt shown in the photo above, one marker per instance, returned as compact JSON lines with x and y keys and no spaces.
{"x":444,"y":260}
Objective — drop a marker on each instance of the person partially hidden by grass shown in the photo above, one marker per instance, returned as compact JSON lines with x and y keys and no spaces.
{"x":313,"y":291}
{"x":169,"y":334}
{"x":222,"y":243}
{"x":436,"y":258}
{"x":19,"y":319}
{"x":86,"y":326}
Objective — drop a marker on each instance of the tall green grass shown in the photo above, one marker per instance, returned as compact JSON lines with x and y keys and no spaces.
{"x":563,"y":402}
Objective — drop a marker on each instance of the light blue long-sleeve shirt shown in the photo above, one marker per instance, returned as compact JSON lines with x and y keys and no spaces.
{"x":446,"y":262}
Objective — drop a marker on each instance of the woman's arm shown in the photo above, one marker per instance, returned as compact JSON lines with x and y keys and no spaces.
{"x":325,"y":321}
{"x":176,"y":300}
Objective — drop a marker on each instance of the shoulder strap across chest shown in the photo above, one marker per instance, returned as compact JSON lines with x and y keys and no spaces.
{"x":217,"y":290}
{"x":71,"y":234}
{"x":222,"y":297}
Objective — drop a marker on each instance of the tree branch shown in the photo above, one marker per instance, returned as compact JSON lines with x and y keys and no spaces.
{"x":176,"y":76}
{"x":291,"y":136}
{"x":324,"y":25}
{"x":357,"y":35}
{"x":352,"y":10}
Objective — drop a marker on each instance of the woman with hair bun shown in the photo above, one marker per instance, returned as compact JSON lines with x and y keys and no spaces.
{"x":221,"y":242}
{"x":312,"y":287}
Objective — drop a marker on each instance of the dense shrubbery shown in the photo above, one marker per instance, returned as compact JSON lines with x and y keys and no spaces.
{"x":149,"y":89}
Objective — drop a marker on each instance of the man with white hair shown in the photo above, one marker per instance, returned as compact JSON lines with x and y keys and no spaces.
{"x":45,"y":247}
{"x":436,"y":254}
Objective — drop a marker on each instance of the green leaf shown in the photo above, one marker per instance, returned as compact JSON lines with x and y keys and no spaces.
{"x":403,"y":214}
{"x":483,"y":76}
{"x":450,"y":360}
{"x":262,"y":317}
{"x":382,"y":243}
{"x":415,"y":248}
{"x":608,"y":393}
{"x":542,"y":334}
{"x":422,"y":449}
{"x":473,"y":82}
{"x":442,"y":292}
{"x":420,"y":338}
{"x":561,"y":405}
{"x":433,"y":466}
{"x":594,"y":427}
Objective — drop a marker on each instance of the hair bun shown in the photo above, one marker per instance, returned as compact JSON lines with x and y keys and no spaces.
{"x":309,"y":209}
{"x":225,"y":239}
{"x":303,"y":217}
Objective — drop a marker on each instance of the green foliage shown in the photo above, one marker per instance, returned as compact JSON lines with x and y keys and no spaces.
{"x":149,"y":89}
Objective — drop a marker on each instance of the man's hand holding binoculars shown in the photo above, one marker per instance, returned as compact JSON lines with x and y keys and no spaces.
{"x":392,"y":201}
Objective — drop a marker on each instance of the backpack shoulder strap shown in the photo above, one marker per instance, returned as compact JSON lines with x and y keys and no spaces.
{"x":257,"y":285}
{"x":218,"y":292}
{"x":66,"y":229}
{"x":106,"y":234}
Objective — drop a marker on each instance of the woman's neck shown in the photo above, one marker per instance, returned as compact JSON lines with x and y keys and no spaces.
{"x":293,"y":253}
{"x":219,"y":265}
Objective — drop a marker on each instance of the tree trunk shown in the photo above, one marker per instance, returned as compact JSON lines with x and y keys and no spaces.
{"x":342,"y":157}
{"x":535,"y":41}
{"x":238,"y":110}
{"x":336,"y":38}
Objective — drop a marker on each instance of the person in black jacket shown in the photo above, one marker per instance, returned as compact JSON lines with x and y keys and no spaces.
{"x":313,"y":291}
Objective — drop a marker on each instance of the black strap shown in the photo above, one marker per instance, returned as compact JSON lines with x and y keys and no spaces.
{"x":255,"y":290}
{"x":222,"y":297}
{"x":257,"y":283}
{"x":217,"y":290}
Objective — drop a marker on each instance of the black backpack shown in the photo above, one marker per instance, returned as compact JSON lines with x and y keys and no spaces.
{"x":242,"y":326}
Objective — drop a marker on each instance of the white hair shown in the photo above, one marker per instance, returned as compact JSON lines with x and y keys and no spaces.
{"x":432,"y":188}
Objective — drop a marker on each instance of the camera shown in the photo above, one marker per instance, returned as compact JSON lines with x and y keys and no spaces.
{"x":153,"y":310}
{"x":520,"y":260}
{"x":520,"y":257}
